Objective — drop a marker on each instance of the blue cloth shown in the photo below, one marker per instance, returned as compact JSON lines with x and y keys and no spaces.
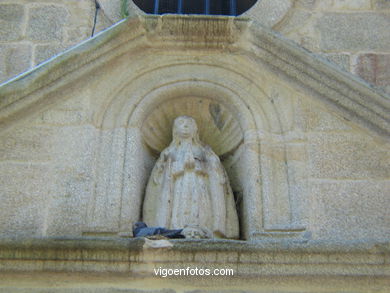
{"x":140,"y":229}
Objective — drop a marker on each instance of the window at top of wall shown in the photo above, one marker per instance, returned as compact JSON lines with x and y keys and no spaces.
{"x":205,"y":7}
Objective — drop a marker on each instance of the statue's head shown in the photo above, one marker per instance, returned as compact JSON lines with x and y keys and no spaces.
{"x":185,"y":127}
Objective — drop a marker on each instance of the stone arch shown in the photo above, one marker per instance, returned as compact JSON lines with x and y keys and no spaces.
{"x":127,"y":162}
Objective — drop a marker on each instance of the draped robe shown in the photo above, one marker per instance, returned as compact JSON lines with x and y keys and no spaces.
{"x":189,"y":187}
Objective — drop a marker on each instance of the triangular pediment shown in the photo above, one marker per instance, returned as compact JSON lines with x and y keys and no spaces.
{"x":140,"y":43}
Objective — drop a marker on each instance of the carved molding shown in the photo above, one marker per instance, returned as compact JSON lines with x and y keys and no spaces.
{"x":257,"y":260}
{"x":346,"y":94}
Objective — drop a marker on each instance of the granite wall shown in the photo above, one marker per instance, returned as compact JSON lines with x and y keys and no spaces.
{"x":70,"y":162}
{"x":351,"y":33}
{"x":34,"y":31}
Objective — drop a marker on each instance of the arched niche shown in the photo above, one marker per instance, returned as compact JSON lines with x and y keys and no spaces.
{"x":218,"y":126}
{"x":127,"y":150}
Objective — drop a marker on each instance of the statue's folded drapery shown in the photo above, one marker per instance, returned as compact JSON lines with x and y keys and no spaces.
{"x":189,"y":187}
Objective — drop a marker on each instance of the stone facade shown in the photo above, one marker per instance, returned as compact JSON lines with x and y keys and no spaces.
{"x":309,"y":156}
{"x":346,"y":32}
{"x":34,"y":31}
{"x":305,"y":145}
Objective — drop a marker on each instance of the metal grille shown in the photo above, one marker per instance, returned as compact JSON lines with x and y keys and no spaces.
{"x":208,"y":7}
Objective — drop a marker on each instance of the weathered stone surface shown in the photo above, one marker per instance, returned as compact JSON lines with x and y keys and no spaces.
{"x":375,"y":68}
{"x":112,"y":9}
{"x":324,"y":5}
{"x":14,"y":59}
{"x":188,"y":187}
{"x":269,"y":12}
{"x":77,"y":35}
{"x":224,"y":291}
{"x":49,"y":178}
{"x":352,"y":4}
{"x":24,"y":196}
{"x":11,"y":21}
{"x":359,"y":209}
{"x":59,"y":117}
{"x":306,"y":4}
{"x":293,"y":22}
{"x":312,"y":118}
{"x":104,"y":283}
{"x":51,"y":25}
{"x":381,"y":4}
{"x":100,"y":170}
{"x":18,"y":145}
{"x":46,"y":23}
{"x":342,"y":60}
{"x":80,"y":22}
{"x":346,"y":32}
{"x":260,"y":260}
{"x":340,"y":5}
{"x":102,"y":22}
{"x":45,"y":52}
{"x":347,"y":156}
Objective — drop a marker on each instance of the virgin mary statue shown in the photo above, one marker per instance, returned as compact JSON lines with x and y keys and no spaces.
{"x":189,"y":187}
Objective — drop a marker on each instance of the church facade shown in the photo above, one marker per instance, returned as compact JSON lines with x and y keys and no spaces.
{"x":303,"y":140}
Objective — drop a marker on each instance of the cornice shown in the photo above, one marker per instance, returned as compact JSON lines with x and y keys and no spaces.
{"x":346,"y":94}
{"x":282,"y":258}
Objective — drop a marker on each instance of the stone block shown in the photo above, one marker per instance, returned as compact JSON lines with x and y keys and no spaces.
{"x":381,"y":4}
{"x":310,"y":117}
{"x":294,"y":23}
{"x":26,"y":144}
{"x":324,"y":5}
{"x":352,"y":4}
{"x":375,"y":68}
{"x":55,"y":117}
{"x":81,"y":19}
{"x":354,"y":31}
{"x":347,"y":156}
{"x":269,"y":12}
{"x":45,"y":52}
{"x":46,"y":23}
{"x":24,"y":195}
{"x":11,"y":21}
{"x":14,"y":59}
{"x":342,"y":60}
{"x":77,"y":35}
{"x":350,"y":209}
{"x":306,"y":4}
{"x":81,"y":102}
{"x":332,"y":5}
{"x":112,"y":8}
{"x":73,"y":148}
{"x":102,"y":22}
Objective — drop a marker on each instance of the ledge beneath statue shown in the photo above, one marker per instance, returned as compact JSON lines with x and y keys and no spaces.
{"x":139,"y":256}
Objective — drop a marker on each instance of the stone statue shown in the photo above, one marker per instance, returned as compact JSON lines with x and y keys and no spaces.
{"x":189,"y":188}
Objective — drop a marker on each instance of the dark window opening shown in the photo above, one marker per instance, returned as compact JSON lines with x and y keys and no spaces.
{"x":206,"y":7}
